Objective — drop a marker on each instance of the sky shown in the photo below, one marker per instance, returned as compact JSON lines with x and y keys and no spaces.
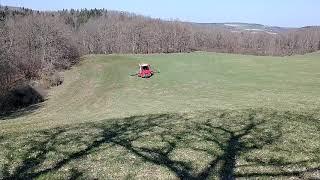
{"x":285,"y":13}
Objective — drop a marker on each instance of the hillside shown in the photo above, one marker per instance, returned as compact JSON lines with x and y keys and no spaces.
{"x":37,"y":45}
{"x":15,"y":9}
{"x":101,"y":86}
{"x":236,"y":26}
{"x":249,"y":27}
{"x":206,"y":115}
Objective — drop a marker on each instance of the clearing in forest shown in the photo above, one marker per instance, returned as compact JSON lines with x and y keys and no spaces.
{"x":206,"y":115}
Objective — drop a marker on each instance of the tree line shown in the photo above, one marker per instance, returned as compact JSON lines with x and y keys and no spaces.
{"x":36,"y":45}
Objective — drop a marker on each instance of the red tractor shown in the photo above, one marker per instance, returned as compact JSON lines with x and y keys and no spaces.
{"x":145,"y":71}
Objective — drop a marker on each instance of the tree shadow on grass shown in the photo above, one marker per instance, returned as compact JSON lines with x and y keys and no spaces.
{"x":231,"y":148}
{"x":221,"y":136}
{"x":75,"y":174}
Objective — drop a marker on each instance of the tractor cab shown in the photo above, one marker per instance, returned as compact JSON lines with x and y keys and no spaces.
{"x":145,"y":71}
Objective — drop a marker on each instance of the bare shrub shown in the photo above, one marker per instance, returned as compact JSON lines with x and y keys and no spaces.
{"x":51,"y":79}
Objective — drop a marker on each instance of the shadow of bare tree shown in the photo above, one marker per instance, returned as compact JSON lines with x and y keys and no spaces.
{"x":160,"y":139}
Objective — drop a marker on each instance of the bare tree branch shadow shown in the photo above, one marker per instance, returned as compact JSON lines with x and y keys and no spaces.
{"x":75,"y":174}
{"x":231,"y":141}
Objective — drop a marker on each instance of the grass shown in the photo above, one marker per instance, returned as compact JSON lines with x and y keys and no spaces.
{"x":205,"y":116}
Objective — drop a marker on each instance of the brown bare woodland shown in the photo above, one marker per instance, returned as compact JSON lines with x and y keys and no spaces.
{"x":35,"y":45}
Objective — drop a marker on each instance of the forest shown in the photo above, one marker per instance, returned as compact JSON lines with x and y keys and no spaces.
{"x":36,"y":45}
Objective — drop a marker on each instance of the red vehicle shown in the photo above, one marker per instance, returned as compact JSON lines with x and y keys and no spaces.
{"x":145,"y":71}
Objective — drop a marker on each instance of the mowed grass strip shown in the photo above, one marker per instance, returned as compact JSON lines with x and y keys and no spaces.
{"x":206,"y":115}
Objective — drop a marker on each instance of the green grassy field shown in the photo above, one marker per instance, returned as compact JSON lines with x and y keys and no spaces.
{"x":205,"y":116}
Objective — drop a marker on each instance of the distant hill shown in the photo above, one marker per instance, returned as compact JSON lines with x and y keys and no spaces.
{"x":233,"y":26}
{"x":251,"y":27}
{"x":12,"y":8}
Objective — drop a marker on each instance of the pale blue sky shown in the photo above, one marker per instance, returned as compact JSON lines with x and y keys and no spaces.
{"x":290,"y":13}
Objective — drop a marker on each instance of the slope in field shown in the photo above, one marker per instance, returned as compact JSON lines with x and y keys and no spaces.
{"x":101,"y":87}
